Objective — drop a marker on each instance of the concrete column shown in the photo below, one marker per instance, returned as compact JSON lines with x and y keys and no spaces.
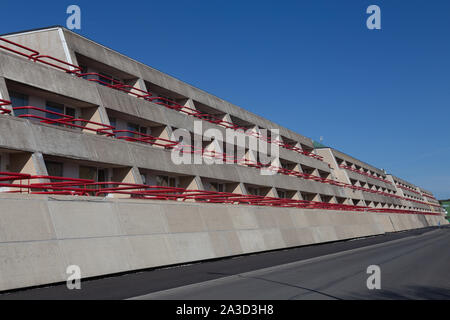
{"x":273,"y":193}
{"x":276,"y":163}
{"x":190,"y":104}
{"x":95,"y":114}
{"x":39,"y":164}
{"x":226,"y":117}
{"x":28,"y":163}
{"x":191,"y":183}
{"x":126,"y":175}
{"x":4,"y":94}
{"x":137,"y":175}
{"x":297,"y":196}
{"x":139,"y":84}
{"x":163,"y":132}
{"x":237,"y":187}
{"x":298,"y":168}
{"x":251,"y":156}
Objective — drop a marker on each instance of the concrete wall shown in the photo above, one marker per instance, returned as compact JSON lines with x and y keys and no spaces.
{"x":40,"y":236}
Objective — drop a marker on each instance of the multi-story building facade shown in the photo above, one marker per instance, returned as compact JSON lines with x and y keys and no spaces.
{"x":79,"y":119}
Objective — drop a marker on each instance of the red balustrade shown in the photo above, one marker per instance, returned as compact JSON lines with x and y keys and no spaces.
{"x":408,"y":189}
{"x":29,"y":53}
{"x":2,"y":104}
{"x":63,"y":119}
{"x":364,"y":173}
{"x":134,"y":136}
{"x":139,"y":137}
{"x":84,"y":187}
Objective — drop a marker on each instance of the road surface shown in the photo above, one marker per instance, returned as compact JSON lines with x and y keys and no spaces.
{"x":417,"y":267}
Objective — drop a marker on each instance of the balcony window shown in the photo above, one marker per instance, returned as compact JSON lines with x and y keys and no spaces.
{"x":19,"y":100}
{"x":218,"y":187}
{"x":54,"y":169}
{"x":54,"y":107}
{"x":89,"y":173}
{"x":166,"y":181}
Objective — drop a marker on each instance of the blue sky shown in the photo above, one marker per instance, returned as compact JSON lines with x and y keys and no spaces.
{"x":379,"y":95}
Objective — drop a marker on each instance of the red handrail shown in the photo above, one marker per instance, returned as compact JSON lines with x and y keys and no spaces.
{"x":85,"y":187}
{"x":65,"y":120}
{"x":29,"y":56}
{"x":2,"y":104}
{"x":169,"y":144}
{"x":146,"y":138}
{"x":408,"y":189}
{"x":364,"y":173}
{"x":41,"y":58}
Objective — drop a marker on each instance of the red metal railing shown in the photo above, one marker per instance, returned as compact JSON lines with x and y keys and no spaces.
{"x":8,"y":180}
{"x":134,"y":136}
{"x":2,"y":104}
{"x":57,"y":63}
{"x":364,"y":173}
{"x":429,"y":197}
{"x":30,"y":55}
{"x":138,"y":137}
{"x":99,"y":128}
{"x":428,"y":194}
{"x":84,"y":187}
{"x":408,"y":189}
{"x":66,"y":120}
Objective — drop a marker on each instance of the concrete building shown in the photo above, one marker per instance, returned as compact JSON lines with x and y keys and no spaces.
{"x":446,"y":205}
{"x":87,"y":138}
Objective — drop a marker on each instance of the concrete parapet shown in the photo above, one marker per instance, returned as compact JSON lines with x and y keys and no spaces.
{"x":42,"y":235}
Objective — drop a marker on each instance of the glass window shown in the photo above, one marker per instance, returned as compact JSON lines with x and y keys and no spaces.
{"x":134,"y":128}
{"x":70,"y":112}
{"x":162,"y":181}
{"x":107,"y":79}
{"x":102,"y":176}
{"x":165,"y":181}
{"x":84,"y":69}
{"x":19,"y":100}
{"x":253,"y":191}
{"x":54,"y":169}
{"x":54,"y":107}
{"x":218,"y":187}
{"x":89,"y":173}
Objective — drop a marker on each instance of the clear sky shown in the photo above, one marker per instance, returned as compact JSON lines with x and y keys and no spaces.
{"x":381,"y":96}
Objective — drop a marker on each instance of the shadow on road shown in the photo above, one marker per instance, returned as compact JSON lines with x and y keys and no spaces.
{"x":408,"y":293}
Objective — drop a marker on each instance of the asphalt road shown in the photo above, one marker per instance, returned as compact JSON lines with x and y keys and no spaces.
{"x":417,"y":267}
{"x":414,"y":265}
